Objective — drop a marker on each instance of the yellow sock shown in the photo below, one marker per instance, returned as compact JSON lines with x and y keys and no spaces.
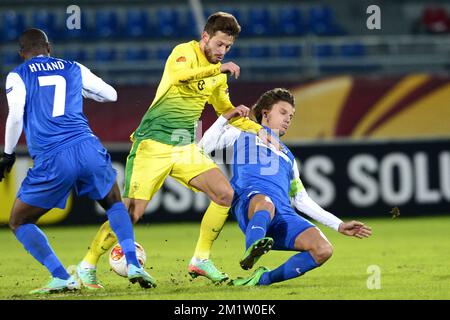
{"x":103,"y":241}
{"x":210,"y":227}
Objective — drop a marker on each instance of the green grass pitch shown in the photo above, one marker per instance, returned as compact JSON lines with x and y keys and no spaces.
{"x":412,"y":256}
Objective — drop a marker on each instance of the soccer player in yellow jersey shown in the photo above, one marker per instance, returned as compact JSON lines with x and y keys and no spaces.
{"x":164,"y":143}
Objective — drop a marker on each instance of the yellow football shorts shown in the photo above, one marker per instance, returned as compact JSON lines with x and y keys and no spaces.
{"x":150,"y":162}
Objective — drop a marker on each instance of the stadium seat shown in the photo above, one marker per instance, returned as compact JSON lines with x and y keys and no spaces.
{"x":137,"y":24}
{"x":46,"y":21}
{"x":78,"y":54}
{"x":323,"y":50}
{"x":235,"y":52}
{"x":163,"y":53}
{"x":12,"y":25}
{"x":352,"y":50}
{"x":259,"y":51}
{"x":11,"y":58}
{"x":105,"y":54}
{"x":290,"y":21}
{"x":190,"y":27}
{"x":136,"y":54}
{"x":167,"y":22}
{"x":106,"y":24}
{"x":259,"y":22}
{"x":289,"y":50}
{"x":322,"y":21}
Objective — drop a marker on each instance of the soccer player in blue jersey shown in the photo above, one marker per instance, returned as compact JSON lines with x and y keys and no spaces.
{"x":45,"y":98}
{"x":265,"y":179}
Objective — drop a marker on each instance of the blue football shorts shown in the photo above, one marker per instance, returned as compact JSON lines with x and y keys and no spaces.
{"x":85,"y":166}
{"x":285,"y":226}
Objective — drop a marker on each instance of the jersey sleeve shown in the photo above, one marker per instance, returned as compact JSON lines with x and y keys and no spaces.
{"x":220,"y":100}
{"x":303,"y":202}
{"x":16,"y":95}
{"x":219,"y":136}
{"x":95,"y":88}
{"x":180,"y":67}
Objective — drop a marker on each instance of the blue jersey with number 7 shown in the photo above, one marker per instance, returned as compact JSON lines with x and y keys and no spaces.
{"x":53,"y":114}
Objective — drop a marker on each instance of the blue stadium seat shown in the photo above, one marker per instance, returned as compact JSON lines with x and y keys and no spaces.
{"x":106,"y":24}
{"x":136,"y":54}
{"x":190,"y":27}
{"x":290,"y":21}
{"x":79,"y":55}
{"x":167,"y":22}
{"x":137,"y":24}
{"x":322,"y":21}
{"x":323,"y":51}
{"x":259,"y":51}
{"x":289,"y":50}
{"x":11,"y":58}
{"x":46,"y":21}
{"x":235,"y":52}
{"x":352,"y":49}
{"x":12,"y":25}
{"x":105,"y":54}
{"x":163,"y":53}
{"x":259,"y":22}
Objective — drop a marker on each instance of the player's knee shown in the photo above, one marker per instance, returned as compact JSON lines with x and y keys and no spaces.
{"x":266,"y":205}
{"x":322,"y":252}
{"x":224,"y":196}
{"x":14,"y":224}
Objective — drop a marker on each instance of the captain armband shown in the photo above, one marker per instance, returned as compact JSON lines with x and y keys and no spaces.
{"x":296,"y":187}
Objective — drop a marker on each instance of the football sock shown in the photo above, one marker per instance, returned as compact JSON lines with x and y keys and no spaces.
{"x":210,"y":227}
{"x":257,"y":227}
{"x":295,"y":266}
{"x":120,"y":223}
{"x":103,"y":241}
{"x":36,"y":243}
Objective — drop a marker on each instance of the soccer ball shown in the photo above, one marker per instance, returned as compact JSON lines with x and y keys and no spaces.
{"x":118,"y":262}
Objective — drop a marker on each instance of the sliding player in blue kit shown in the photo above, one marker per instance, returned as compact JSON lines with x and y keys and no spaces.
{"x":45,"y":98}
{"x":265,"y":180}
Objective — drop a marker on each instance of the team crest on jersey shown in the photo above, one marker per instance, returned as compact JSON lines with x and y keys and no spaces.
{"x":9,"y":90}
{"x":181,"y":59}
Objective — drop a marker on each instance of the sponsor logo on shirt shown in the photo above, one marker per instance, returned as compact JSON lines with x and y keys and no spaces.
{"x":181,"y":59}
{"x":9,"y":90}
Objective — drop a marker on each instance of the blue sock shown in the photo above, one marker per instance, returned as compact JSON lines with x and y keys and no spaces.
{"x":257,"y":227}
{"x":36,"y":243}
{"x":120,"y":223}
{"x":295,"y":266}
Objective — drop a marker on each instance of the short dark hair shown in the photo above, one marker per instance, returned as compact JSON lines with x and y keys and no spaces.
{"x":33,"y":39}
{"x":222,"y":21}
{"x":269,"y":98}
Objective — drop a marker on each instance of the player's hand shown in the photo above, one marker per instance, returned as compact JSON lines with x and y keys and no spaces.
{"x":239,"y":111}
{"x":268,"y":140}
{"x":6,"y":163}
{"x":232,"y":68}
{"x":355,"y":229}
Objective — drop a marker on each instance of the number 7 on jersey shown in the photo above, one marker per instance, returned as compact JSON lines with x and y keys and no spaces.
{"x":59,"y":101}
